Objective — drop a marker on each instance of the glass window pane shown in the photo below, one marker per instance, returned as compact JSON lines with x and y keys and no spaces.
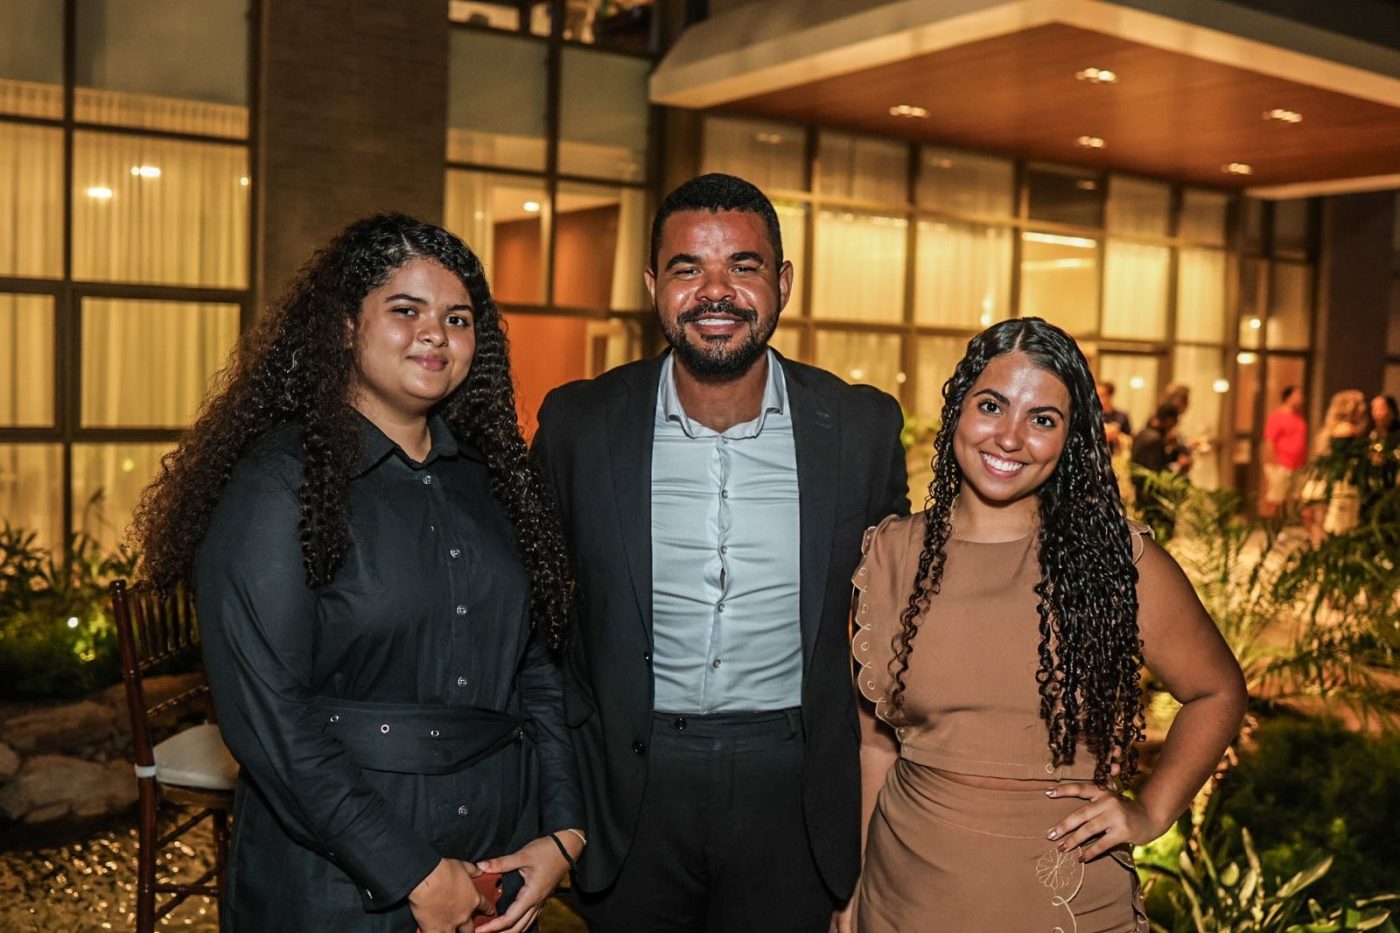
{"x":495,"y":99}
{"x":963,"y":277}
{"x":771,"y":155}
{"x":1200,"y":295}
{"x":148,"y":363}
{"x":600,"y":247}
{"x":1252,"y":225}
{"x":31,"y":59}
{"x":1393,"y":344}
{"x":502,"y":218}
{"x":1251,"y":301}
{"x":31,"y":201}
{"x":787,"y":340}
{"x":867,"y":359}
{"x":1065,"y":195}
{"x":549,"y":350}
{"x":107,"y":483}
{"x":159,"y":211}
{"x":938,"y":357}
{"x":1138,"y":208}
{"x":1134,"y":378}
{"x":1135,"y":290}
{"x":603,"y":117}
{"x":1245,"y":391}
{"x":1203,"y":216}
{"x":792,"y":221}
{"x":860,"y":167}
{"x":26,"y":360}
{"x":164,"y":64}
{"x":963,"y":183}
{"x":870,"y":288}
{"x":1290,"y":306}
{"x":31,"y":490}
{"x":625,"y":26}
{"x":1291,"y":228}
{"x":1392,"y":380}
{"x":1060,"y":280}
{"x":1202,"y":369}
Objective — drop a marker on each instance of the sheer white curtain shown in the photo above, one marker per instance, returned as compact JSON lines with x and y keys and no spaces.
{"x":1200,"y":295}
{"x":861,"y":167}
{"x":963,"y":276}
{"x":964,"y":183}
{"x":31,"y":489}
{"x":31,"y":201}
{"x":628,"y":289}
{"x":859,"y":274}
{"x":869,"y":359}
{"x":150,"y":112}
{"x":1201,"y":368}
{"x":26,"y":360}
{"x":792,"y":219}
{"x":1135,"y":290}
{"x":467,"y":212}
{"x":771,"y":155}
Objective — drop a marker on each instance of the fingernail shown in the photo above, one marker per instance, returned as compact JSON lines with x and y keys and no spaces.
{"x":1051,"y":835}
{"x":1060,"y":847}
{"x":1049,"y":793}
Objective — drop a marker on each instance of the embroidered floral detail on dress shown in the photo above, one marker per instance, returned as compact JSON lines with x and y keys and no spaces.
{"x":1057,"y":869}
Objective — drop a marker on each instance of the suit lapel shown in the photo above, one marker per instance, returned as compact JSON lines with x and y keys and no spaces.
{"x":631,"y":416}
{"x":816,"y":432}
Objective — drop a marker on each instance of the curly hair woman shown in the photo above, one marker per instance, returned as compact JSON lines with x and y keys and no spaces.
{"x":999,"y":640}
{"x":382,"y":587}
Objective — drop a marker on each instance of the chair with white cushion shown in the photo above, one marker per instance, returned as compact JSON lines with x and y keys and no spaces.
{"x":190,"y":768}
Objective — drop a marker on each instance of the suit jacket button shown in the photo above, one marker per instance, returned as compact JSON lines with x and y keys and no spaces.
{"x":647,"y":657}
{"x":639,"y":747}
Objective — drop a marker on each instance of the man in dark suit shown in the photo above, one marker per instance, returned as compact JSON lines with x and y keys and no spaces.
{"x":714,"y":499}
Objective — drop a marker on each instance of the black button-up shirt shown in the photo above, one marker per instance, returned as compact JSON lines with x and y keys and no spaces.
{"x":431,"y":607}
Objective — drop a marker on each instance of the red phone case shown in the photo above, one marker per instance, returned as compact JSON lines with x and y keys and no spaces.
{"x":488,"y":885}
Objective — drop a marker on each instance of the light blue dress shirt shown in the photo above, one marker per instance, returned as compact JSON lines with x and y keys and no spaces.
{"x":725,"y":567}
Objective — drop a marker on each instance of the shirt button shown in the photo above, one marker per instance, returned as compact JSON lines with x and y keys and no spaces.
{"x":724,"y":549}
{"x":647,"y":657}
{"x":462,"y":681}
{"x":724,"y":493}
{"x":455,"y":552}
{"x":461,"y":610}
{"x":462,"y":810}
{"x":639,"y":747}
{"x":720,"y":607}
{"x":715,"y":664}
{"x":427,"y":480}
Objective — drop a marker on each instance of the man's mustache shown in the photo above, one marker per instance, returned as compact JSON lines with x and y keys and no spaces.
{"x":712,"y":308}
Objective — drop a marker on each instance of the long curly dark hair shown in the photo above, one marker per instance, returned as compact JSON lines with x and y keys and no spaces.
{"x":297,"y":367}
{"x":1090,"y":652}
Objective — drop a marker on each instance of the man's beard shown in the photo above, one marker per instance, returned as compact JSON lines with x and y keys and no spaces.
{"x":708,"y":360}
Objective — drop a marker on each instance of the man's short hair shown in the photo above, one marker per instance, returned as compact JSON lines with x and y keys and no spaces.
{"x":1289,"y":390}
{"x":717,"y":192}
{"x":1166,"y":412}
{"x":1108,"y":386}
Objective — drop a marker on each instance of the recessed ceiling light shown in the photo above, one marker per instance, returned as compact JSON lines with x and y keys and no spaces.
{"x":941,"y":163}
{"x":531,"y":207}
{"x":910,"y":111}
{"x":769,"y":139}
{"x":1237,"y":168}
{"x":1086,"y":184}
{"x":100,"y":192}
{"x":1091,"y":142}
{"x":1221,"y":386}
{"x":1255,"y":323}
{"x":1246,"y":358}
{"x":1097,"y":76}
{"x":145,"y":171}
{"x":1283,"y":116}
{"x":1137,"y":382}
{"x":1056,"y":239}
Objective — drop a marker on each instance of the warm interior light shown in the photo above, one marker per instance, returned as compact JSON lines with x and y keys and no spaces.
{"x":1283,"y":116}
{"x":769,"y":139}
{"x":1255,"y":323}
{"x":941,"y":163}
{"x":1086,"y":184}
{"x":531,"y":207}
{"x":1221,"y":385}
{"x":901,"y":378}
{"x":857,"y":374}
{"x":1237,"y":168}
{"x":1246,"y":358}
{"x":1091,"y":142}
{"x":72,"y":621}
{"x":1137,"y":382}
{"x":1056,"y":239}
{"x":1097,"y":76}
{"x":100,"y":193}
{"x":243,"y":181}
{"x":910,"y":111}
{"x":145,"y":171}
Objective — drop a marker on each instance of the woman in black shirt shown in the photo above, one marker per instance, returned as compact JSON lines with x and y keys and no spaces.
{"x":381,"y":586}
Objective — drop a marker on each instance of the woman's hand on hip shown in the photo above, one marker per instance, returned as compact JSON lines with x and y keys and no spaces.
{"x":444,"y":901}
{"x":542,"y":866}
{"x":1106,"y":821}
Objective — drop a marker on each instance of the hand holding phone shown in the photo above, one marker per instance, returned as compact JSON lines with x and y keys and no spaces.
{"x":488,"y":885}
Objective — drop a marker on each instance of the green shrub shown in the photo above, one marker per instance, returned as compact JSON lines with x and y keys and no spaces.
{"x":57,"y":639}
{"x":1308,"y":787}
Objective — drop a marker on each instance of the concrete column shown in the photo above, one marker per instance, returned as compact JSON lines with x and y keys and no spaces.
{"x":1353,"y":300}
{"x":352,"y":119}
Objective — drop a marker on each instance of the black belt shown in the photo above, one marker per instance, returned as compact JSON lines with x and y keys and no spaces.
{"x":412,"y":738}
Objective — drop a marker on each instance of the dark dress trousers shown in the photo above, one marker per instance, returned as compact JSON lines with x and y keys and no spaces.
{"x":594,"y":446}
{"x":397,"y":715}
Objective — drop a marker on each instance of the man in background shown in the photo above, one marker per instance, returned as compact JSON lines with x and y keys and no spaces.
{"x":1283,"y":451}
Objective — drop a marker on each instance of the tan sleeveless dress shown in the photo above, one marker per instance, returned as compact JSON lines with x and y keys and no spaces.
{"x":942,"y":855}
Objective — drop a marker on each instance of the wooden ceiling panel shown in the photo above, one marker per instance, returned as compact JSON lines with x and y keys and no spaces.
{"x":1170,"y":115}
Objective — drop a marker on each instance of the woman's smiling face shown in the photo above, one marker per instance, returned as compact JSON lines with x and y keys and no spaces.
{"x":1011,"y":430}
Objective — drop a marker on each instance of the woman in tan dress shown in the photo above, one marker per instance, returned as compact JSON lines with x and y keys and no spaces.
{"x":999,"y":640}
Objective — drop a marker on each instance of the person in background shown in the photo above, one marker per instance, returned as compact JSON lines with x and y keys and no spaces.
{"x":1117,"y":426}
{"x":1284,"y":451}
{"x":1332,"y":500}
{"x":1154,"y":450}
{"x":382,"y":590}
{"x":1385,"y":421}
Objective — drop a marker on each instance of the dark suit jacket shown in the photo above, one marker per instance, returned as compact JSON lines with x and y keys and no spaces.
{"x":594,"y":447}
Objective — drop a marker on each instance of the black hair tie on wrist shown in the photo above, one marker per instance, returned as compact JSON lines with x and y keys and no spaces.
{"x":573,"y":865}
